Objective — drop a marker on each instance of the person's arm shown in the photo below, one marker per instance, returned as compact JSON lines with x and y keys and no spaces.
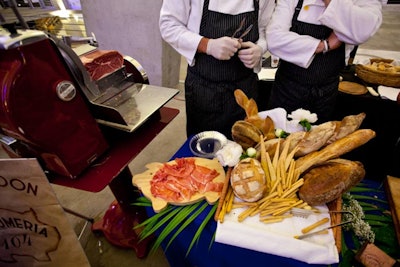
{"x":264,"y":17}
{"x":329,"y":44}
{"x":353,"y":21}
{"x":179,"y":26}
{"x":178,"y":22}
{"x":326,"y":2}
{"x":288,"y":45}
{"x":251,"y":53}
{"x":202,"y":47}
{"x":222,"y":48}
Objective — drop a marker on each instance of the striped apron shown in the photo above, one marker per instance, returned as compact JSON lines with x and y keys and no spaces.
{"x":314,"y":88}
{"x":210,"y":83}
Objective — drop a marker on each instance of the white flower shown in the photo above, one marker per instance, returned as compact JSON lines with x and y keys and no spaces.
{"x":293,"y":126}
{"x":303,"y":114}
{"x":303,"y":117}
{"x":229,"y":154}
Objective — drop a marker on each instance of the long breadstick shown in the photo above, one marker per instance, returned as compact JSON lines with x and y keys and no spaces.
{"x":264,"y":163}
{"x":315,"y":225}
{"x":223,"y":193}
{"x":230,"y":200}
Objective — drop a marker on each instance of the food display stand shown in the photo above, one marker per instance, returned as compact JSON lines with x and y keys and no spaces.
{"x":206,"y":252}
{"x":380,"y":157}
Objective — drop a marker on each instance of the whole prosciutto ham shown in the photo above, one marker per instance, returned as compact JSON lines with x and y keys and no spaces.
{"x":179,"y":182}
{"x":99,"y":63}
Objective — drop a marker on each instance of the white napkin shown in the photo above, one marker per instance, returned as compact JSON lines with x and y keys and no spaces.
{"x":388,"y":92}
{"x":279,"y":117}
{"x":278,"y":238}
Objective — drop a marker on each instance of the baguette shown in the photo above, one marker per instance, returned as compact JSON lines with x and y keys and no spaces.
{"x":319,"y":136}
{"x":348,"y":125}
{"x":335,"y":150}
{"x":316,"y":138}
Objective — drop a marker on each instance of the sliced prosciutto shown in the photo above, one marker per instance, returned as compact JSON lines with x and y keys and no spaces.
{"x":179,"y":182}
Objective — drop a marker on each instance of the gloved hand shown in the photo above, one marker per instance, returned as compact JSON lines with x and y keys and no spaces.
{"x":222,"y":48}
{"x":250,"y":54}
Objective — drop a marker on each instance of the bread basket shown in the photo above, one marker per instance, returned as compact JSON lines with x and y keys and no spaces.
{"x":370,"y":73}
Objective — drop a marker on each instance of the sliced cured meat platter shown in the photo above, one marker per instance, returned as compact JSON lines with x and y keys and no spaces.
{"x":206,"y":175}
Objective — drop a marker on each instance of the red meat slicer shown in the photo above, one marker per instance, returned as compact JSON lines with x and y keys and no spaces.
{"x":50,"y":104}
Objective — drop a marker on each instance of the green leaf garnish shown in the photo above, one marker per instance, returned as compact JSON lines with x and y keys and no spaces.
{"x":306,"y":124}
{"x":168,"y":229}
{"x":187,"y":221}
{"x":201,"y":228}
{"x":369,"y":198}
{"x":159,"y":224}
{"x":173,"y":219}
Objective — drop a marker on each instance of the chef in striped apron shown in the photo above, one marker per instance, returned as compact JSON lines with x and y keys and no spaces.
{"x":313,"y":39}
{"x":218,"y":62}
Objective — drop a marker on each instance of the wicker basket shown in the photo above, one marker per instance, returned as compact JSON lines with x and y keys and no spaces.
{"x":378,"y":77}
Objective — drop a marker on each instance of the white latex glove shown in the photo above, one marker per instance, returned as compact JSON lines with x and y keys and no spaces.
{"x":223,"y":48}
{"x":250,"y":54}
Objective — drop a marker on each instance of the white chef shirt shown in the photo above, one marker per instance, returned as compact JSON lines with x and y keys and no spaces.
{"x":353,"y":21}
{"x":180,"y":21}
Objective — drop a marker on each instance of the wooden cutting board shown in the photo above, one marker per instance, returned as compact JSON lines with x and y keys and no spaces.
{"x":392,"y":186}
{"x":352,"y":88}
{"x":142,"y":181}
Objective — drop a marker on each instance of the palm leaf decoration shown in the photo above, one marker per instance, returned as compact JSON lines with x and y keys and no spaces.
{"x":202,"y":226}
{"x":370,"y":198}
{"x":170,"y":222}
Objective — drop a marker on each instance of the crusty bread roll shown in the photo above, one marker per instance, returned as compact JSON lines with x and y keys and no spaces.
{"x":245,"y":134}
{"x":266,"y":126}
{"x":326,"y":182}
{"x":248,"y":180}
{"x":335,"y":150}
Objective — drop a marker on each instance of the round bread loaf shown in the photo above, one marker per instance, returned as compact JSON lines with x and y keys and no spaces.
{"x":325,"y":183}
{"x":248,"y":180}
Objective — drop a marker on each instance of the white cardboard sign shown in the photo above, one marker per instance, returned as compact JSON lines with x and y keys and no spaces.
{"x":34,"y":229}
